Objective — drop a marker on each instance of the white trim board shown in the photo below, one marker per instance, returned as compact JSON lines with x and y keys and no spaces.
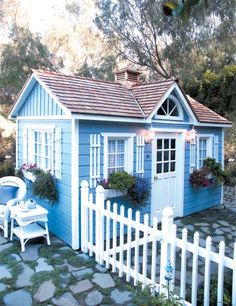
{"x":75,"y":215}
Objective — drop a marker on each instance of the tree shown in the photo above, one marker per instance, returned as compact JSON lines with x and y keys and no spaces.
{"x":143,"y":34}
{"x":104,"y":70}
{"x":25,"y":51}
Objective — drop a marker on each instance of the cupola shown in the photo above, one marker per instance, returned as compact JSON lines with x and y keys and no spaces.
{"x":127,"y":77}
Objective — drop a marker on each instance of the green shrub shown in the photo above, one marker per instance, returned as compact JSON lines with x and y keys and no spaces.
{"x":44,"y":186}
{"x":143,"y":297}
{"x":6,"y":168}
{"x":121,"y":181}
{"x":230,"y":176}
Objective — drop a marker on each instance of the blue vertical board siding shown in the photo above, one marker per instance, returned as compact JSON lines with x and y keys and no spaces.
{"x":60,"y":214}
{"x":40,"y":103}
{"x":197,"y":199}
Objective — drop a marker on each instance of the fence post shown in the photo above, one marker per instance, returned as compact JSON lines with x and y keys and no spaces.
{"x":99,"y":240}
{"x":84,"y":215}
{"x":166,"y":228}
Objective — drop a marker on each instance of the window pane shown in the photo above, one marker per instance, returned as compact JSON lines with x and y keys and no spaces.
{"x":166,"y":167}
{"x":159,"y":155}
{"x":111,"y":160}
{"x":159,"y":144}
{"x":172,"y":155}
{"x":166,"y":155}
{"x":172,"y":143}
{"x":175,"y":112}
{"x":161,"y":112}
{"x":159,"y":168}
{"x":120,"y":146}
{"x":120,"y":160}
{"x":172,"y":167}
{"x":111,"y":146}
{"x":166,"y":143}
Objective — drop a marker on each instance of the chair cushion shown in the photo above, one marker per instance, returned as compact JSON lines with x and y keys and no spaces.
{"x":7,"y":193}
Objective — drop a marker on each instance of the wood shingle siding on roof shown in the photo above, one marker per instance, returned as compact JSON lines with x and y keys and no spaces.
{"x":204,"y":114}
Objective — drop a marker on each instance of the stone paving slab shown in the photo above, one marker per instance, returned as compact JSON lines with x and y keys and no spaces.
{"x":18,"y":298}
{"x":5,"y":246}
{"x":24,"y":278}
{"x":45,"y":292}
{"x":66,"y":299}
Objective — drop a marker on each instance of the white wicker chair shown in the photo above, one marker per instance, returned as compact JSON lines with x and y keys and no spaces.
{"x":20,"y":195}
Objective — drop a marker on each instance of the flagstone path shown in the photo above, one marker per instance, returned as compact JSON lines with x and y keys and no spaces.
{"x":57,"y":275}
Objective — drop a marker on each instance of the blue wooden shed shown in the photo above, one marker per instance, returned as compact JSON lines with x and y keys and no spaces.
{"x":82,"y":128}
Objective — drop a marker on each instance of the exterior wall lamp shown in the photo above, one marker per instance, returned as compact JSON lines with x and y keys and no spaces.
{"x":191,"y":136}
{"x":149,"y":136}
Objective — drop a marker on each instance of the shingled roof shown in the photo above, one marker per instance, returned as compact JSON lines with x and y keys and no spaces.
{"x":88,"y":96}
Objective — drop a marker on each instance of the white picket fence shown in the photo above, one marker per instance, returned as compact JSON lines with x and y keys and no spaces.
{"x":141,"y":251}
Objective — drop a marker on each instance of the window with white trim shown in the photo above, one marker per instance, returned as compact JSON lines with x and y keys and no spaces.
{"x":118,"y":153}
{"x":170,"y":109}
{"x":42,"y":146}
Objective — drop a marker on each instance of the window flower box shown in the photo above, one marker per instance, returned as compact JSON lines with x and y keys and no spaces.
{"x":113,"y":193}
{"x":28,"y":175}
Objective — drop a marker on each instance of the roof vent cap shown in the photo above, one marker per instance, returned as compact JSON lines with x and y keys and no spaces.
{"x":127,"y":77}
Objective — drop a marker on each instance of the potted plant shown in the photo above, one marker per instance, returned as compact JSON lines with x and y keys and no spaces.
{"x":117,"y":185}
{"x":140,"y":190}
{"x":27,"y":171}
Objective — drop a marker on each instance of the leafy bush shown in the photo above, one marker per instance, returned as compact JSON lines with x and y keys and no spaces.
{"x":215,"y":169}
{"x":213,"y":294}
{"x":6,"y":168}
{"x":44,"y":186}
{"x":121,"y":181}
{"x":143,"y":297}
{"x":198,"y":177}
{"x":230,"y":176}
{"x":140,"y":190}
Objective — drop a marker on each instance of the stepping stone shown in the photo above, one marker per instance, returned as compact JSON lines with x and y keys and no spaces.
{"x":65,"y":248}
{"x":218,"y":231}
{"x":5,"y":272}
{"x":31,"y":252}
{"x":120,"y":297}
{"x":65,"y":279}
{"x":18,"y":298}
{"x":2,"y":240}
{"x":224,"y":223}
{"x":93,"y":298}
{"x":16,"y":257}
{"x":101,"y":268}
{"x":66,"y":299}
{"x":24,"y":278}
{"x":84,"y":256}
{"x":217,"y":239}
{"x":103,"y":280}
{"x":70,"y":267}
{"x":81,"y":286}
{"x":190,"y":227}
{"x":43,"y":266}
{"x":45,"y":292}
{"x":201,"y":224}
{"x":5,"y":246}
{"x":2,"y":287}
{"x":81,"y":273}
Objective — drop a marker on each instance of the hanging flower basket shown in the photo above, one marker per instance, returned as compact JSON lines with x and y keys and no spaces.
{"x":28,"y":175}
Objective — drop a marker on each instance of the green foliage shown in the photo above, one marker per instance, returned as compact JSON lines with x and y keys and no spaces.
{"x":215,"y":169}
{"x":24,"y":52}
{"x":215,"y":90}
{"x":104,"y":70}
{"x":199,"y":177}
{"x":7,"y":168}
{"x":143,"y":297}
{"x":230,"y":175}
{"x":213,"y":294}
{"x":121,"y":181}
{"x":44,"y":186}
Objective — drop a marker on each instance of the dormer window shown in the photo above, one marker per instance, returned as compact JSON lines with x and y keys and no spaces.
{"x":170,"y":109}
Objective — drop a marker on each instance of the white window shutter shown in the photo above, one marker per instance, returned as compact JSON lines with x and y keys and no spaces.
{"x":25,"y":145}
{"x":30,"y":146}
{"x":57,"y":154}
{"x":95,"y":145}
{"x":193,"y":157}
{"x":216,"y":148}
{"x":140,"y":155}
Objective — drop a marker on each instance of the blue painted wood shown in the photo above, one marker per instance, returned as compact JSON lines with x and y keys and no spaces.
{"x":60,"y":214}
{"x":40,"y":103}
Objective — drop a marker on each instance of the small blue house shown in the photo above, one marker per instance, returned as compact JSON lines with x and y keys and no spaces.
{"x":83,"y":128}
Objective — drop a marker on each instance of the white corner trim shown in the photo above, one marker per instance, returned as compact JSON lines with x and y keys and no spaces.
{"x":223,"y":164}
{"x":17,"y":143}
{"x":108,"y":118}
{"x":75,"y":183}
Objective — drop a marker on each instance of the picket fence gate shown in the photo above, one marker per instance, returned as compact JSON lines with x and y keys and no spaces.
{"x":141,"y":251}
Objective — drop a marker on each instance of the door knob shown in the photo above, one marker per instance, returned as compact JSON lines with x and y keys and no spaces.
{"x":155,"y":177}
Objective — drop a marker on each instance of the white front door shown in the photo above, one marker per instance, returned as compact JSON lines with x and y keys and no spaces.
{"x":168,"y":171}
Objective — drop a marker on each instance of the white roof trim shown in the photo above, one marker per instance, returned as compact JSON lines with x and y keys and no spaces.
{"x":184,"y":104}
{"x":28,"y":87}
{"x":108,"y":118}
